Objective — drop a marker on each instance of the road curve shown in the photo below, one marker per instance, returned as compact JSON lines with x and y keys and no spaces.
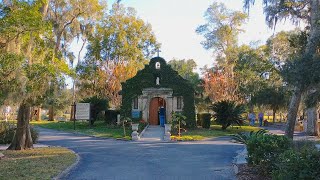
{"x":122,"y":160}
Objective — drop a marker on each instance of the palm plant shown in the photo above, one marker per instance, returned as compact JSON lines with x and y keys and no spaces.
{"x":243,"y":137}
{"x":227,"y":113}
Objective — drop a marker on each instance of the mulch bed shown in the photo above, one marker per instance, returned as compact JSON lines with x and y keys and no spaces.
{"x":249,"y":173}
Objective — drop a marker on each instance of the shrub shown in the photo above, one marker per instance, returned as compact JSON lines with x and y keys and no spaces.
{"x":298,"y":164}
{"x":34,"y":135}
{"x":227,"y":113}
{"x":111,"y":116}
{"x":205,"y":119}
{"x":198,"y":120}
{"x":244,"y":137}
{"x":96,"y":106}
{"x":264,"y":149}
{"x":7,"y":131}
{"x":176,"y":119}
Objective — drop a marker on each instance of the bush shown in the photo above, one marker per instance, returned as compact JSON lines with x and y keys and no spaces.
{"x":298,"y":164}
{"x":111,"y":116}
{"x":198,"y":120}
{"x":177,"y":118}
{"x":227,"y":113}
{"x":264,"y":150}
{"x":244,"y":137}
{"x":34,"y":135}
{"x":96,"y":106}
{"x":205,"y":119}
{"x":7,"y":131}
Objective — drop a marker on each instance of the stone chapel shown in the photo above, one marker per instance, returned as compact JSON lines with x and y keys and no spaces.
{"x":154,"y":87}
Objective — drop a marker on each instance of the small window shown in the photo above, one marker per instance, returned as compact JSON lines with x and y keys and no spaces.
{"x":157,"y":65}
{"x":179,"y":102}
{"x":135,"y":103}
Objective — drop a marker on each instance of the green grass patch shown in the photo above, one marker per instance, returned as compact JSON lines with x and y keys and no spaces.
{"x":214,"y":131}
{"x":187,"y":138}
{"x":39,"y":163}
{"x":99,"y":129}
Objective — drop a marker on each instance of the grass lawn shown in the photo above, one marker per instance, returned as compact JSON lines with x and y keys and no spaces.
{"x":214,"y":131}
{"x":99,"y":129}
{"x":39,"y":163}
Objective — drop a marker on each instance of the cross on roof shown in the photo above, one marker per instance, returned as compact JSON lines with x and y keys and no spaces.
{"x":158,"y":52}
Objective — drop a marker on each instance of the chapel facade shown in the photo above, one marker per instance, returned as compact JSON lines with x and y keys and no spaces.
{"x":157,"y":91}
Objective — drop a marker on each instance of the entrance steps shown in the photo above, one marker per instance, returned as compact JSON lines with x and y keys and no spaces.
{"x":153,"y":133}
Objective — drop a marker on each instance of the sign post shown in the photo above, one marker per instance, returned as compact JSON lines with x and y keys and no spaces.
{"x":82,"y":112}
{"x":73,"y":114}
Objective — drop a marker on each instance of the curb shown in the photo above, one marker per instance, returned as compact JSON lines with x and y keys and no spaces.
{"x":65,"y":172}
{"x":239,"y":159}
{"x":4,"y":147}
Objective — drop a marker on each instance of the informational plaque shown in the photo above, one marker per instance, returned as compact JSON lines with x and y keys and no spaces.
{"x":83,"y":111}
{"x":135,"y":114}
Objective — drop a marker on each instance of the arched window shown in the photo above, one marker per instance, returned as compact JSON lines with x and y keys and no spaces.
{"x":157,"y":65}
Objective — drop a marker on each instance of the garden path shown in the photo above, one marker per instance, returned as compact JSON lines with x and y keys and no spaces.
{"x":153,"y":133}
{"x":298,"y":135}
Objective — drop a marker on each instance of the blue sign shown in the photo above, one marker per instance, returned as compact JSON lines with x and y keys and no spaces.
{"x":135,"y":114}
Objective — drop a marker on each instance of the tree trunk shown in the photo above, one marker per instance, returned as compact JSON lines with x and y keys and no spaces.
{"x":32,"y":113}
{"x":22,"y":137}
{"x":314,"y":36}
{"x":51,"y":113}
{"x":72,"y":115}
{"x":292,"y":112}
{"x":38,"y":116}
{"x":311,"y":49}
{"x":312,"y":121}
{"x":44,"y":8}
{"x":274,"y":115}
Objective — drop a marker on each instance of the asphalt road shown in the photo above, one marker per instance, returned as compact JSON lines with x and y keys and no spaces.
{"x":121,"y":160}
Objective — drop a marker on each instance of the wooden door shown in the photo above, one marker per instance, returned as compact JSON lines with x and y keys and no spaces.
{"x":153,"y":112}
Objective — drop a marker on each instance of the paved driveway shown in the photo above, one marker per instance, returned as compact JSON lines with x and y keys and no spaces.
{"x":121,"y":160}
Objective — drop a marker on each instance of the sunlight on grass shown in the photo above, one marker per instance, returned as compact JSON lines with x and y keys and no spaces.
{"x":187,"y":138}
{"x":214,"y":131}
{"x":99,"y":129}
{"x":39,"y":163}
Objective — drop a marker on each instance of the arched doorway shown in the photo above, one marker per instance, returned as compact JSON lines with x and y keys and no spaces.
{"x":154,"y":107}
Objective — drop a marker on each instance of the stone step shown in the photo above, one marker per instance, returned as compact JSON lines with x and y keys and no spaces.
{"x":153,"y":133}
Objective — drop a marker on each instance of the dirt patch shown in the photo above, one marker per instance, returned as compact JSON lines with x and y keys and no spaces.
{"x":249,"y":173}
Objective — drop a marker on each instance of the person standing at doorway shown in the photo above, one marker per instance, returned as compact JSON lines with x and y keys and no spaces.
{"x":162,"y":115}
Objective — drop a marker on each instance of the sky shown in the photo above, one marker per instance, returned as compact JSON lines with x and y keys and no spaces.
{"x":174,"y":23}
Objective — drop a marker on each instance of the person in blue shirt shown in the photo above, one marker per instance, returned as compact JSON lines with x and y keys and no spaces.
{"x":162,"y":115}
